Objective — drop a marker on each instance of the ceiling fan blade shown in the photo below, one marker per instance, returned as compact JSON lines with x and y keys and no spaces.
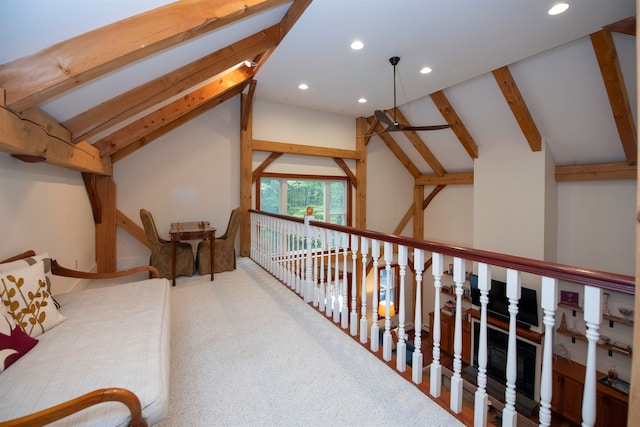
{"x":417,"y":128}
{"x":383,"y":118}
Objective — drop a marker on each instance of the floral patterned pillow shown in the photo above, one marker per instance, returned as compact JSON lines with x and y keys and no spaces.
{"x":9,"y":266}
{"x":25,"y":294}
{"x":14,"y":342}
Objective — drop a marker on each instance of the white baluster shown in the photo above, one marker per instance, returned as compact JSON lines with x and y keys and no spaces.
{"x":353,"y":320}
{"x":416,"y":360}
{"x":401,"y":347}
{"x":375,"y":329}
{"x":456,"y":379}
{"x":363,"y":308}
{"x":593,"y":318}
{"x":386,"y":337}
{"x":345,"y":298}
{"x":509,"y":414}
{"x":300,"y":257}
{"x":549,"y":302}
{"x":316,"y":261}
{"x":308,"y":284}
{"x":322,"y":285}
{"x":283,"y":251}
{"x":435,"y":370}
{"x":329,"y":306}
{"x":481,"y":404}
{"x":336,"y":282}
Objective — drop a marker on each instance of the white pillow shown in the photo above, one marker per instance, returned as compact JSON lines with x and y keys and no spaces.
{"x":25,"y":294}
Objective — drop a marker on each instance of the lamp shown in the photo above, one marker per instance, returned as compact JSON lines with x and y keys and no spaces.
{"x":382,"y":309}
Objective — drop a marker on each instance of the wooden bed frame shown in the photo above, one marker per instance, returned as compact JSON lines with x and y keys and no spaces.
{"x":128,"y":398}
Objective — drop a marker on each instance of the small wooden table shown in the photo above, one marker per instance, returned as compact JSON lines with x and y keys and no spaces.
{"x":194,"y":230}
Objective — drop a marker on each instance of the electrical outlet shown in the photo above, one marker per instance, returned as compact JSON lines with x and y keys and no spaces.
{"x":76,"y":267}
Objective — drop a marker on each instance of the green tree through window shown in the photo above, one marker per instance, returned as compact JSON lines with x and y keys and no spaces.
{"x":291,"y":196}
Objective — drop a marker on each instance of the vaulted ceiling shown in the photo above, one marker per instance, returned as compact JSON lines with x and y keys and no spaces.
{"x":87,"y":83}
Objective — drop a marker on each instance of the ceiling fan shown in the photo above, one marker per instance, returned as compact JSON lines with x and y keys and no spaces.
{"x":392,"y":124}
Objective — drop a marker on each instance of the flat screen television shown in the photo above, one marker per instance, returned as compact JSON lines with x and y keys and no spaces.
{"x":499,"y":303}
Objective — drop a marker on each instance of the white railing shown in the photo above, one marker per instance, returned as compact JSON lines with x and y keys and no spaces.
{"x":311,"y":257}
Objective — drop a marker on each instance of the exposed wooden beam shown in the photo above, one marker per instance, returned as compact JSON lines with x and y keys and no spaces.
{"x":106,"y":258}
{"x":624,"y":26}
{"x":419,"y":145}
{"x":31,"y":138}
{"x":596,"y":172}
{"x":361,"y":175}
{"x":418,"y":212}
{"x":126,"y":105}
{"x":160,"y":117}
{"x":457,"y":126}
{"x":296,"y":10}
{"x":446,"y":179}
{"x":246,"y":166}
{"x":352,"y":178}
{"x":412,"y":209}
{"x":397,"y":151}
{"x":132,"y":228}
{"x":35,"y":78}
{"x":518,"y":107}
{"x":94,"y":199}
{"x":307,"y":150}
{"x":607,"y":56}
{"x":264,"y":165}
{"x":152,"y":136}
{"x":246,"y":108}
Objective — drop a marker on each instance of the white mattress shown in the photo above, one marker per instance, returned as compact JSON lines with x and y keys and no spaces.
{"x":113,"y":337}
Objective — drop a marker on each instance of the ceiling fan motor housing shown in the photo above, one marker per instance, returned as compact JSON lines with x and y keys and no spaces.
{"x":394,"y":60}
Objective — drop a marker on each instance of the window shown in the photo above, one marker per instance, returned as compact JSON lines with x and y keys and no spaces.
{"x":290,"y":195}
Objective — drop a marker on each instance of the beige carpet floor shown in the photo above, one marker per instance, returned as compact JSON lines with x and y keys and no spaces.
{"x":246,"y":351}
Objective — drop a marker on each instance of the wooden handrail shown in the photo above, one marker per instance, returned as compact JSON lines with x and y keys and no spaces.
{"x":604,"y":280}
{"x":55,"y":413}
{"x":58,"y":270}
{"x":25,"y":254}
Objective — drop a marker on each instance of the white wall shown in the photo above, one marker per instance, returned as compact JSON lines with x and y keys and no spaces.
{"x":189,"y":174}
{"x":46,"y":208}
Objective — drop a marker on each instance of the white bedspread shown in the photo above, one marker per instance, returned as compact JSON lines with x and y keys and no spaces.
{"x":113,"y":337}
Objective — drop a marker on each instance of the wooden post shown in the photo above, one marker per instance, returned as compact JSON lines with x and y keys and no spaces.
{"x":106,"y":229}
{"x":246,"y":156}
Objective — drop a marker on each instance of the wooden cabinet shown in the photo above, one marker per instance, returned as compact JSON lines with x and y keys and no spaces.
{"x":568,"y":388}
{"x":567,"y":397}
{"x":447,"y":335}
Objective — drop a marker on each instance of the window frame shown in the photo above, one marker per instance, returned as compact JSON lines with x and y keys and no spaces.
{"x":326,"y":178}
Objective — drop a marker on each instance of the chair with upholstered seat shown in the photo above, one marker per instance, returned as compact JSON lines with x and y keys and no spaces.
{"x":224,"y":251}
{"x":161,"y":250}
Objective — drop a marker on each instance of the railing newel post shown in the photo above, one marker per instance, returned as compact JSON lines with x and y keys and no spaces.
{"x":435,"y":371}
{"x":375,"y":329}
{"x":363,"y":309}
{"x":416,"y":360}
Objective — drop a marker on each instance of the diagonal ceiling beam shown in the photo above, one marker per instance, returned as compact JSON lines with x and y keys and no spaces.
{"x":518,"y":107}
{"x":419,"y":145}
{"x":35,"y":78}
{"x":457,"y":126}
{"x":155,"y":134}
{"x":607,"y":56}
{"x":122,"y":107}
{"x":170,"y":112}
{"x":397,"y":151}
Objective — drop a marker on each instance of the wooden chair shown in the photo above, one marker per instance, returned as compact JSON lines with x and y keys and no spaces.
{"x":224,"y":253}
{"x":161,"y":250}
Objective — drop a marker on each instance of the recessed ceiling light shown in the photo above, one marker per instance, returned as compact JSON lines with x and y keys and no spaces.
{"x":362,"y":100}
{"x":303,"y":86}
{"x":357,"y":45}
{"x":426,"y":70}
{"x":558,"y":8}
